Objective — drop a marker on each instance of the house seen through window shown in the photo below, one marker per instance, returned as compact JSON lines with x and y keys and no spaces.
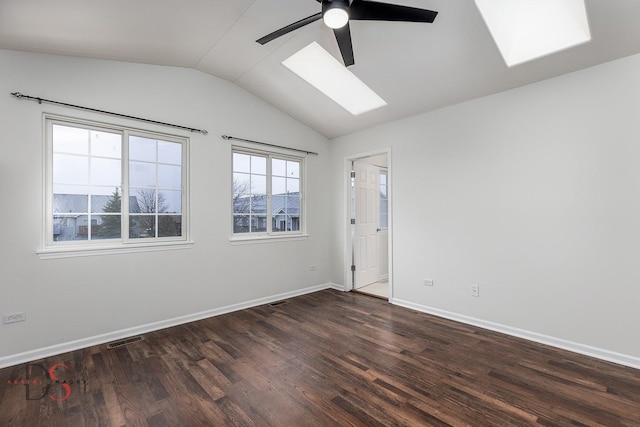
{"x":266,"y":193}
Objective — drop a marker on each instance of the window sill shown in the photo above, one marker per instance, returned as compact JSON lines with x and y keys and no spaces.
{"x":249,"y":240}
{"x":75,"y":251}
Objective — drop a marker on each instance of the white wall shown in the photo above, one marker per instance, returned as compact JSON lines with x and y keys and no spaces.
{"x":534,"y":194}
{"x":531,"y":193}
{"x":79,"y":298}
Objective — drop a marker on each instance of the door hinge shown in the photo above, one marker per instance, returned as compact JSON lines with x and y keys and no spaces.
{"x":353,"y":220}
{"x":353,"y":268}
{"x":353,"y":174}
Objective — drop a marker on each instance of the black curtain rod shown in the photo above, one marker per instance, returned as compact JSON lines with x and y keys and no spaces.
{"x":41,"y":100}
{"x":227,"y":137}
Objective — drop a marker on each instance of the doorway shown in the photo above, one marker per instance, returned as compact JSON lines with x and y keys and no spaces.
{"x":369,"y":232}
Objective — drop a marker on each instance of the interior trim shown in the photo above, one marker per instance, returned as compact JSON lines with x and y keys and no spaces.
{"x":598,"y":353}
{"x":39,"y":353}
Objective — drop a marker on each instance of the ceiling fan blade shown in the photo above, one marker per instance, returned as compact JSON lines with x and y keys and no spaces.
{"x":343,"y":36}
{"x":284,"y":30}
{"x":362,"y":10}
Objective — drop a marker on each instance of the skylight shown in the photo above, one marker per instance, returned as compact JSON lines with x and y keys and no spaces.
{"x":329,"y":76}
{"x":528,"y":29}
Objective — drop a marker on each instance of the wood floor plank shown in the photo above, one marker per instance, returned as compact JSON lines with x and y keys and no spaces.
{"x":326,"y":359}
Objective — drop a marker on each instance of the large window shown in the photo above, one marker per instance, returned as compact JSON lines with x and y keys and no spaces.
{"x":267,"y":193}
{"x":113,"y":185}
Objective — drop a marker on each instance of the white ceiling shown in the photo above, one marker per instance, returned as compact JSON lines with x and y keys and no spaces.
{"x":415,"y":67}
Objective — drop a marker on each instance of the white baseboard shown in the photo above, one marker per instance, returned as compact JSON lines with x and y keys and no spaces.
{"x":598,"y":353}
{"x":31,"y":355}
{"x":337,"y":287}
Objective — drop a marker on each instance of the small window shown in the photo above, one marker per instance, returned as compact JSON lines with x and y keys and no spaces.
{"x":384,"y":200}
{"x":266,"y":193}
{"x":113,"y":185}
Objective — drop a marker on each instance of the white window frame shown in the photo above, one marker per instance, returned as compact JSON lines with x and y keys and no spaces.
{"x":269,"y":234}
{"x":124,"y":244}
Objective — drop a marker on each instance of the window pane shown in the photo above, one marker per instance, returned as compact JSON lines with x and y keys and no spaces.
{"x":241,"y":203}
{"x":106,"y":144}
{"x":383,"y":179}
{"x":142,"y":200}
{"x":241,"y":162}
{"x":67,"y":228}
{"x":286,"y":223}
{"x":70,"y":140}
{"x":169,"y":152}
{"x":278,"y":185}
{"x":142,"y":149}
{"x":293,"y":204}
{"x":293,"y":169}
{"x":384,"y":213}
{"x":106,"y":172}
{"x":241,"y":183}
{"x":103,"y":202}
{"x":258,"y":223}
{"x":383,"y":207}
{"x":169,"y":225}
{"x":107,"y":227}
{"x":295,"y":223}
{"x":69,"y":169}
{"x":64,"y":228}
{"x":71,"y":203}
{"x":278,"y":204}
{"x":279,"y":167}
{"x":258,"y":184}
{"x":259,"y":204}
{"x":142,"y":226}
{"x":293,"y":185}
{"x":170,"y":177}
{"x":170,"y":201}
{"x":142,"y":174}
{"x":241,"y":223}
{"x":384,"y":222}
{"x":258,"y":165}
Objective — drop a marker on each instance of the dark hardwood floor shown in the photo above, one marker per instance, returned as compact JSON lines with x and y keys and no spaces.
{"x":324,"y":359}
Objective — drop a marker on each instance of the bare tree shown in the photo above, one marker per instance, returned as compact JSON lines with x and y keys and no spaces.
{"x":241,"y":196}
{"x":149,"y":201}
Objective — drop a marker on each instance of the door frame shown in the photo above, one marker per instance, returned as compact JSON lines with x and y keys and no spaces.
{"x":348,"y":244}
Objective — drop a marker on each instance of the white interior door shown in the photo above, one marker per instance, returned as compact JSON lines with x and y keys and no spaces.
{"x":367,"y":193}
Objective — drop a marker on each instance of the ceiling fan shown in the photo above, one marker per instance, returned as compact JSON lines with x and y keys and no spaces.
{"x":336,"y":14}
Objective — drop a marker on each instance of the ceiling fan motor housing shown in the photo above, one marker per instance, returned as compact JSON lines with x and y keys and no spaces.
{"x":335,"y":13}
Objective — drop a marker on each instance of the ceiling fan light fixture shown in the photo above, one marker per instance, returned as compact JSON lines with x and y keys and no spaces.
{"x":335,"y":14}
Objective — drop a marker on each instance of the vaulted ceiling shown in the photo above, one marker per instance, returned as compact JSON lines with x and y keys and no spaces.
{"x":415,"y":67}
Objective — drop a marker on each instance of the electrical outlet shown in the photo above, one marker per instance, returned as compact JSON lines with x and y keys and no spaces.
{"x":428,"y":282}
{"x":15,"y":317}
{"x":475,"y":290}
{"x":312,"y":268}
